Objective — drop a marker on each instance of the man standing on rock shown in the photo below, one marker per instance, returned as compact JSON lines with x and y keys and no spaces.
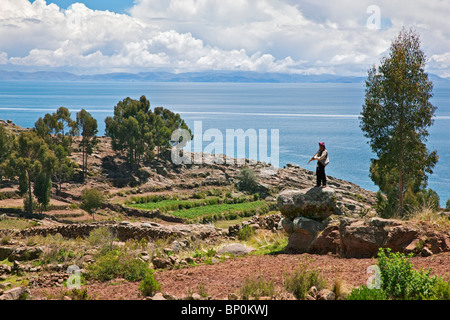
{"x":322,"y":160}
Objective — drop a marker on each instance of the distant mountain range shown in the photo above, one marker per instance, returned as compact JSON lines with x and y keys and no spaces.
{"x":208,"y":76}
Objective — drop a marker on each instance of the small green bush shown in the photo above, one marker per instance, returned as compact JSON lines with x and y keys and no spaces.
{"x":400,"y":281}
{"x":247,"y":180}
{"x":442,"y":290}
{"x":302,"y":280}
{"x":245,"y":233}
{"x":256,"y":288}
{"x":117,"y":264}
{"x":78,"y":294}
{"x":447,"y":205}
{"x":102,"y":237}
{"x":364,"y":293}
{"x":149,"y":285}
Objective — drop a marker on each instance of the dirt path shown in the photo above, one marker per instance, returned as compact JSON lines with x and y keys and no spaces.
{"x":220,"y":279}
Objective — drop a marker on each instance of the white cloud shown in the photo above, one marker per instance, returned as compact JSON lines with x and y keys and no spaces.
{"x":3,"y":58}
{"x":303,"y":36}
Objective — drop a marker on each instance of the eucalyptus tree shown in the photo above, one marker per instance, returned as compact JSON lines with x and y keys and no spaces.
{"x":395,"y":118}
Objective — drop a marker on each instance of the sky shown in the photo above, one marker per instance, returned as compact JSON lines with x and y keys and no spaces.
{"x":342,"y":37}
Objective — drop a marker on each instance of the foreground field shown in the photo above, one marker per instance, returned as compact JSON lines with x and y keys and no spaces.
{"x":221,"y":279}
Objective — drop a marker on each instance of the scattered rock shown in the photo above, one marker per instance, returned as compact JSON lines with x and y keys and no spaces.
{"x":236,"y":249}
{"x":14,"y":294}
{"x":326,"y":294}
{"x":425,"y":252}
{"x":25,"y":253}
{"x":158,"y":296}
{"x":233,"y":296}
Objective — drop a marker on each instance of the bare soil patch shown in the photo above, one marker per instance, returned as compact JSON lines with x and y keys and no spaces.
{"x":220,"y":279}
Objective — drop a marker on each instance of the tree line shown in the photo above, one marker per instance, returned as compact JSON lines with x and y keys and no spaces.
{"x":39,"y":157}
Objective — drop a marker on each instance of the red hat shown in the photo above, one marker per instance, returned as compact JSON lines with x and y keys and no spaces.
{"x":322,"y":144}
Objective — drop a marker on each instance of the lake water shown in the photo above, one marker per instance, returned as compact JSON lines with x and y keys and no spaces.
{"x":304,"y":114}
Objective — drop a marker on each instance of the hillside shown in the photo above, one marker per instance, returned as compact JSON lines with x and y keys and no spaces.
{"x":175,"y":218}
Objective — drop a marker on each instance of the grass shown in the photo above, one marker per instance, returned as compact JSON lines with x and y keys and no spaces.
{"x":17,"y":224}
{"x":166,"y":205}
{"x":267,"y":242}
{"x":225,"y":224}
{"x":299,"y":282}
{"x":212,"y":210}
{"x":256,"y":287}
{"x":426,"y":213}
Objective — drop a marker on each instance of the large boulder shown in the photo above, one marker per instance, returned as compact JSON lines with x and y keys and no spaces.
{"x":5,"y":252}
{"x":328,"y":241}
{"x":302,"y":232}
{"x":362,"y":239}
{"x":314,"y":203}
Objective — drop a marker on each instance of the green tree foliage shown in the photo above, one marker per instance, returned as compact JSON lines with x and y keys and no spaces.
{"x":396,"y":116}
{"x":87,"y":128}
{"x":64,"y":167}
{"x":247,"y":180}
{"x":131,"y":129}
{"x":399,"y":279}
{"x":166,"y":123}
{"x":6,"y":144}
{"x":91,"y":200}
{"x":57,"y":129}
{"x":136,"y":130}
{"x":32,"y":162}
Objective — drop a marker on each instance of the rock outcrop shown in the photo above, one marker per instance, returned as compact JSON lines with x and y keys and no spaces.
{"x":362,"y":238}
{"x":303,"y":214}
{"x":315,"y":203}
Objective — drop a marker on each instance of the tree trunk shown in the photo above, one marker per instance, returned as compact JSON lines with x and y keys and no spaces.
{"x":400,"y":194}
{"x":30,"y":199}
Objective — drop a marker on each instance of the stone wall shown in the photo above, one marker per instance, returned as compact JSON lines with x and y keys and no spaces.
{"x":125,"y":231}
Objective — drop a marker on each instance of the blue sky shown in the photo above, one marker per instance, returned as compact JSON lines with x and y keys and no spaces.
{"x":118,"y":6}
{"x":284,"y":36}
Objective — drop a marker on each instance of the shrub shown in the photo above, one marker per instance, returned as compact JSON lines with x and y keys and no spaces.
{"x":364,"y":293}
{"x":447,"y":205}
{"x":149,"y":285}
{"x":245,"y":233}
{"x":115,"y":264}
{"x":302,"y":280}
{"x":103,"y":238}
{"x":78,"y":294}
{"x":400,"y":281}
{"x":91,"y":200}
{"x":247,"y":180}
{"x":256,"y":288}
{"x":442,"y":290}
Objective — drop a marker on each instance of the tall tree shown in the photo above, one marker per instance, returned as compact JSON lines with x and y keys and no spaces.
{"x":130,"y":129}
{"x":396,"y":116}
{"x":87,"y":129}
{"x":165,"y":124}
{"x":6,"y":143}
{"x":64,"y":166}
{"x":33,"y":162}
{"x":57,"y":128}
